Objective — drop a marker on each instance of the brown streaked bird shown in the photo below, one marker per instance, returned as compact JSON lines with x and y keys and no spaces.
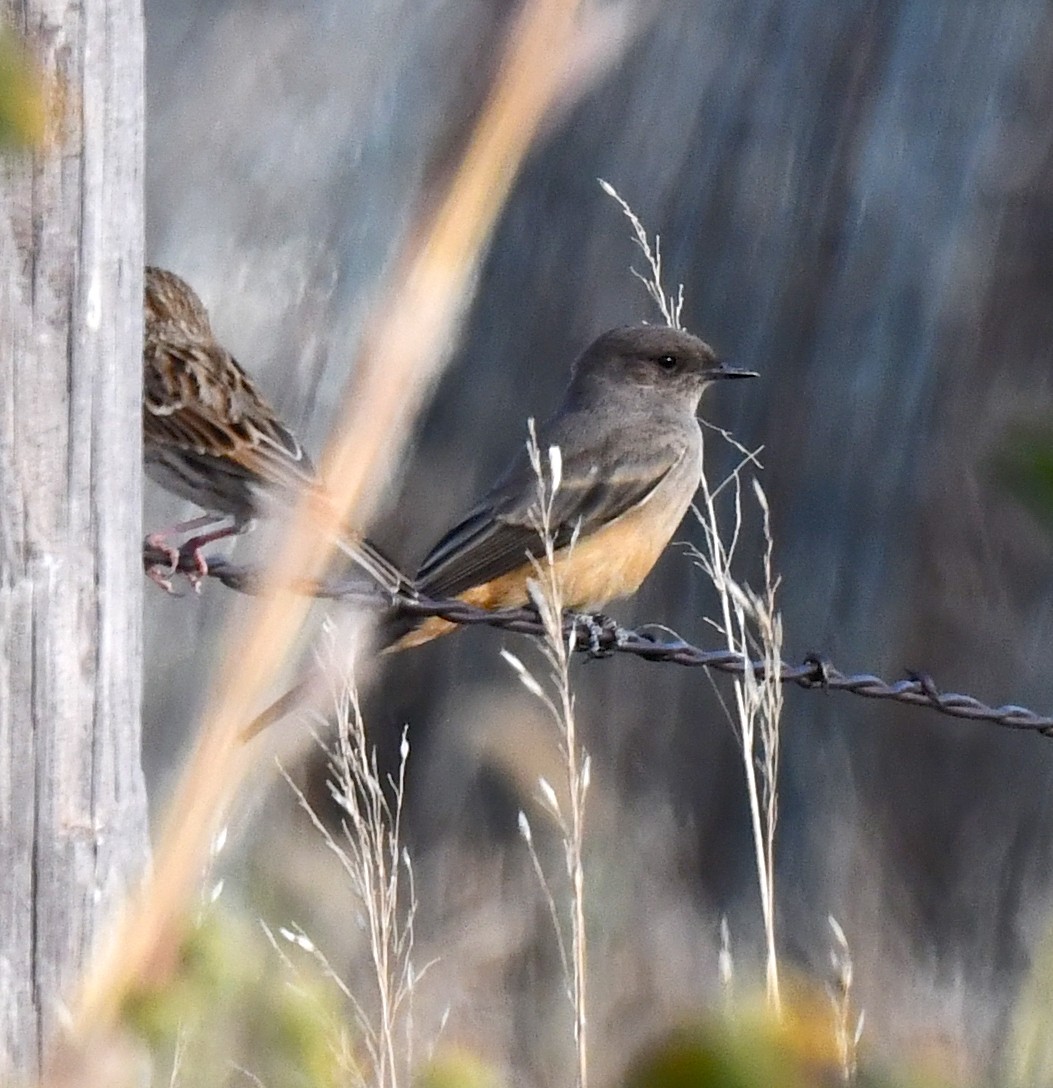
{"x":631,"y":451}
{"x":208,"y":434}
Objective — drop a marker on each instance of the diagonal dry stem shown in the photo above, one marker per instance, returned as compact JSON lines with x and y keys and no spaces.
{"x":403,"y":351}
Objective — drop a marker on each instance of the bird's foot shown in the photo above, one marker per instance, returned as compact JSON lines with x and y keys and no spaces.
{"x":161,"y":573}
{"x":159,"y":542}
{"x":199,"y":572}
{"x":604,"y":633}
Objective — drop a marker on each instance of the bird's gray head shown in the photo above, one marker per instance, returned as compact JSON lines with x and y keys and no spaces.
{"x":651,"y":360}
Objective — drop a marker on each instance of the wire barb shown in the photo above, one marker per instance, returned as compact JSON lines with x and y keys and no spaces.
{"x":597,"y":636}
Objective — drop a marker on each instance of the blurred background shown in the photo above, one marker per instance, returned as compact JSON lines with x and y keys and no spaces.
{"x":858,"y":199}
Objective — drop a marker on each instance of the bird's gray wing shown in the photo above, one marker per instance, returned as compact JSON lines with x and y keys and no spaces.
{"x":597,"y":486}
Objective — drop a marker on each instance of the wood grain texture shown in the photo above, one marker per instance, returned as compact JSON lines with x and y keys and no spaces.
{"x":72,"y":801}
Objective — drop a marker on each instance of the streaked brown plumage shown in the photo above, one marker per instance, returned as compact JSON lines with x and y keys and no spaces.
{"x":208,"y":434}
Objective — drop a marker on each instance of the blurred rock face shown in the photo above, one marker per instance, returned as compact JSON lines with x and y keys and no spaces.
{"x":855,"y":196}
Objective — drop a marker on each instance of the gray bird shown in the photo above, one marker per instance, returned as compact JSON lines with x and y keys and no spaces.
{"x":631,"y":452}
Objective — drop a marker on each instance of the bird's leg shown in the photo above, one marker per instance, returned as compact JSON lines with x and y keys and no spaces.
{"x":160,"y":541}
{"x":160,"y":538}
{"x":196,"y":543}
{"x":160,"y":572}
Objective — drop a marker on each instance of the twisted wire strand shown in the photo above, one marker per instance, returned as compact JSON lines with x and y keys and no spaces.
{"x":598,"y":636}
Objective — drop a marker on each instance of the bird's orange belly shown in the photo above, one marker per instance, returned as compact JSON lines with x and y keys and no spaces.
{"x":606,"y":565}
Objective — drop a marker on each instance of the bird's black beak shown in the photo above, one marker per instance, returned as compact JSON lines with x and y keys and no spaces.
{"x":725,"y":371}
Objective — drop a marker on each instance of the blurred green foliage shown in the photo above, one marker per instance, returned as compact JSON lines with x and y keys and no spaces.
{"x":23,"y":107}
{"x":753,"y":1049}
{"x":1025,"y":467}
{"x":233,"y":1007}
{"x":456,"y":1069}
{"x":234,"y":1004}
{"x":1029,"y":1057}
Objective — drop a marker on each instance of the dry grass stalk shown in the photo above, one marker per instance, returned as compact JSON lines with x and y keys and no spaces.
{"x":406,"y":346}
{"x":848,"y":1029}
{"x":670,"y":306}
{"x":568,"y":815}
{"x":380,"y":874}
{"x":750,"y":624}
{"x":726,"y":966}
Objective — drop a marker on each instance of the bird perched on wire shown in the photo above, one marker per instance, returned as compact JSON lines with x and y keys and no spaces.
{"x":631,"y":461}
{"x":631,"y":456}
{"x":210,"y":437}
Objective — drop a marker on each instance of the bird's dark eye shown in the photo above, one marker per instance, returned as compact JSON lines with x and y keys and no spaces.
{"x":668,"y":362}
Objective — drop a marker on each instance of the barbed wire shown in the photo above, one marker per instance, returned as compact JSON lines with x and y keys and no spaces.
{"x":599,"y":636}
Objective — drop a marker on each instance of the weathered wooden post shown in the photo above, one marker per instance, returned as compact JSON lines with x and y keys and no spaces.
{"x":72,"y":802}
